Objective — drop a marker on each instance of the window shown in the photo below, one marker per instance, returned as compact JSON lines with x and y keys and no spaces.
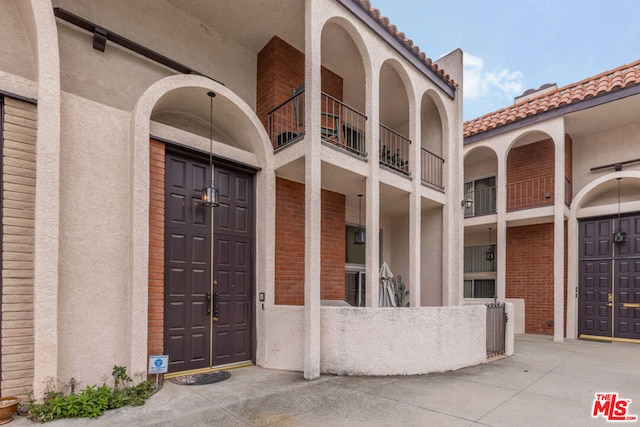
{"x":354,"y":284}
{"x":483,"y":194}
{"x":479,"y":272}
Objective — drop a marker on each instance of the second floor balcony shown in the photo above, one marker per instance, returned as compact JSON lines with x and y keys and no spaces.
{"x":340,"y":125}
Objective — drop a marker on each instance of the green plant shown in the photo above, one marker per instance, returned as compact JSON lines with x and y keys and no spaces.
{"x":90,"y":402}
{"x":400,"y":291}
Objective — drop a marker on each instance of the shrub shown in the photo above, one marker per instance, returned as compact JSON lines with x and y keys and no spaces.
{"x":92,"y":401}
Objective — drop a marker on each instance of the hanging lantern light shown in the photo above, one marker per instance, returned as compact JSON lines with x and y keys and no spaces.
{"x":490,"y":255}
{"x":619,"y":236}
{"x":360,"y":235}
{"x":209,"y":191}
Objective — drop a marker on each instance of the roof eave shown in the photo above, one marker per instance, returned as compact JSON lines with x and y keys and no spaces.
{"x":550,"y":114}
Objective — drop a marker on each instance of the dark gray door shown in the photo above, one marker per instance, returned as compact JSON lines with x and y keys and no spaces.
{"x":187,"y":321}
{"x":233,"y":289}
{"x":609,"y":287}
{"x":207,"y":323}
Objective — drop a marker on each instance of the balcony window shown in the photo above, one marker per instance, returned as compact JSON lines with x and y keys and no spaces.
{"x":483,"y":194}
{"x":479,"y":272}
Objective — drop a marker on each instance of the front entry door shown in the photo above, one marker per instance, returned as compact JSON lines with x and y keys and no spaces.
{"x":610,"y":279}
{"x":207,"y":318}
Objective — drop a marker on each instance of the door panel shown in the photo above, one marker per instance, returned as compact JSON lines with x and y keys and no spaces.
{"x":187,"y":265}
{"x":610,"y":278}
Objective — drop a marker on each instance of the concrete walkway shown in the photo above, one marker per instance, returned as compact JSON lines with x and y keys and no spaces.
{"x":542,"y":384}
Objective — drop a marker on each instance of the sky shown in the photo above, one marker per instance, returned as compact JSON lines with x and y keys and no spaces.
{"x":512,"y":46}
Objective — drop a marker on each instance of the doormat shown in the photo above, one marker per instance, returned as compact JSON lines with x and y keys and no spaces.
{"x":201,"y":379}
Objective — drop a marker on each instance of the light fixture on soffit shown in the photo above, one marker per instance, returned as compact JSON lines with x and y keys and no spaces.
{"x":210,"y":193}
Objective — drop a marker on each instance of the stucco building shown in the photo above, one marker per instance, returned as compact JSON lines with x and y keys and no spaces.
{"x":109,"y":135}
{"x":555,"y":222}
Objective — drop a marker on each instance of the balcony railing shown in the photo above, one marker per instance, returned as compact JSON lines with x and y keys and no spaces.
{"x":531,"y":193}
{"x":483,"y":202}
{"x":340,"y":124}
{"x":394,"y":150}
{"x":431,"y":168}
{"x":285,"y":123}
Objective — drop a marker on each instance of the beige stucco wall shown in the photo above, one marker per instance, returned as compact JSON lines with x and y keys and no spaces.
{"x":94,"y":267}
{"x":18,"y":56}
{"x":118,"y":77}
{"x":431,"y":266}
{"x":592,"y":150}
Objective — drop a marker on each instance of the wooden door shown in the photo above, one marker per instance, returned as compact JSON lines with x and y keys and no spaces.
{"x":233,"y":248}
{"x":187,"y":321}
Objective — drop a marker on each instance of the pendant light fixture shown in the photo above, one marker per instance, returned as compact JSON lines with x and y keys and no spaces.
{"x":360,"y":236}
{"x":209,"y":191}
{"x":490,"y":255}
{"x":619,"y":236}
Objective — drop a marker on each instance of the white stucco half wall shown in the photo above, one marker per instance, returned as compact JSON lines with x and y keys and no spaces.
{"x":405,"y":341}
{"x":385,"y":341}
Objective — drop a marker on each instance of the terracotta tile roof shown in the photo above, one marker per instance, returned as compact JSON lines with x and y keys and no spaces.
{"x":400,"y":36}
{"x":609,"y":81}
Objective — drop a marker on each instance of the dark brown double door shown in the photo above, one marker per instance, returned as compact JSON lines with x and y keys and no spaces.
{"x":208,"y":317}
{"x":609,"y":296}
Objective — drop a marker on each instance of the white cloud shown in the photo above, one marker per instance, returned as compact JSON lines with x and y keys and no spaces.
{"x":479,"y":83}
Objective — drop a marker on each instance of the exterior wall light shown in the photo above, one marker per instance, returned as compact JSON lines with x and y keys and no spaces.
{"x":210,"y":193}
{"x":360,"y":234}
{"x":466,"y":203}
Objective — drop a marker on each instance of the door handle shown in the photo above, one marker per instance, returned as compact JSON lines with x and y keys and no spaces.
{"x":215,"y":306}
{"x":208,"y":303}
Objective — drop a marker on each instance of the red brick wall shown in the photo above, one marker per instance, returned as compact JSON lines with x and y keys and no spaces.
{"x":529,"y":274}
{"x":530,"y":162}
{"x":280,"y":70}
{"x":290,"y":241}
{"x":289,"y":257}
{"x":155,"y":341}
{"x":333,"y":245}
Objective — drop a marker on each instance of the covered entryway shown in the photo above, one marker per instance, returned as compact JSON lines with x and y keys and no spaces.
{"x":207,"y":316}
{"x":609,"y":288}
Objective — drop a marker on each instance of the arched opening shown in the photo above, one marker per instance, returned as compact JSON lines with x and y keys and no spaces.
{"x":202,"y":262}
{"x":394,"y":118}
{"x":432,"y":142}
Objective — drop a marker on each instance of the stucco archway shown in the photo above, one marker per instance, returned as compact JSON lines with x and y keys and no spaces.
{"x":140,"y":183}
{"x":576,"y":212}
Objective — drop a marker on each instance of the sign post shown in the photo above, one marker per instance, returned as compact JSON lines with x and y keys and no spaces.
{"x":158,"y":365}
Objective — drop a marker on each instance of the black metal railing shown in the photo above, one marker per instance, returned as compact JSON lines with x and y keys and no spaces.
{"x":342,"y":125}
{"x":483,"y":202}
{"x":431,"y":168}
{"x":394,"y":150}
{"x":496,"y":328}
{"x":285,"y":123}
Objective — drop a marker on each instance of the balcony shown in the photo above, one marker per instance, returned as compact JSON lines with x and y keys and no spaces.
{"x":431,"y":168}
{"x":394,"y":150}
{"x":530,"y":193}
{"x":341,"y":125}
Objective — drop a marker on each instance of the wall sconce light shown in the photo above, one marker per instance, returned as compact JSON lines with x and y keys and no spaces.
{"x":360,"y":235}
{"x":466,"y":203}
{"x":619,"y":236}
{"x":490,"y":255}
{"x":209,"y":191}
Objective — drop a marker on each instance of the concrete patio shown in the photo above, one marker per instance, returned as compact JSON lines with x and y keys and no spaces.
{"x":543,"y":384}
